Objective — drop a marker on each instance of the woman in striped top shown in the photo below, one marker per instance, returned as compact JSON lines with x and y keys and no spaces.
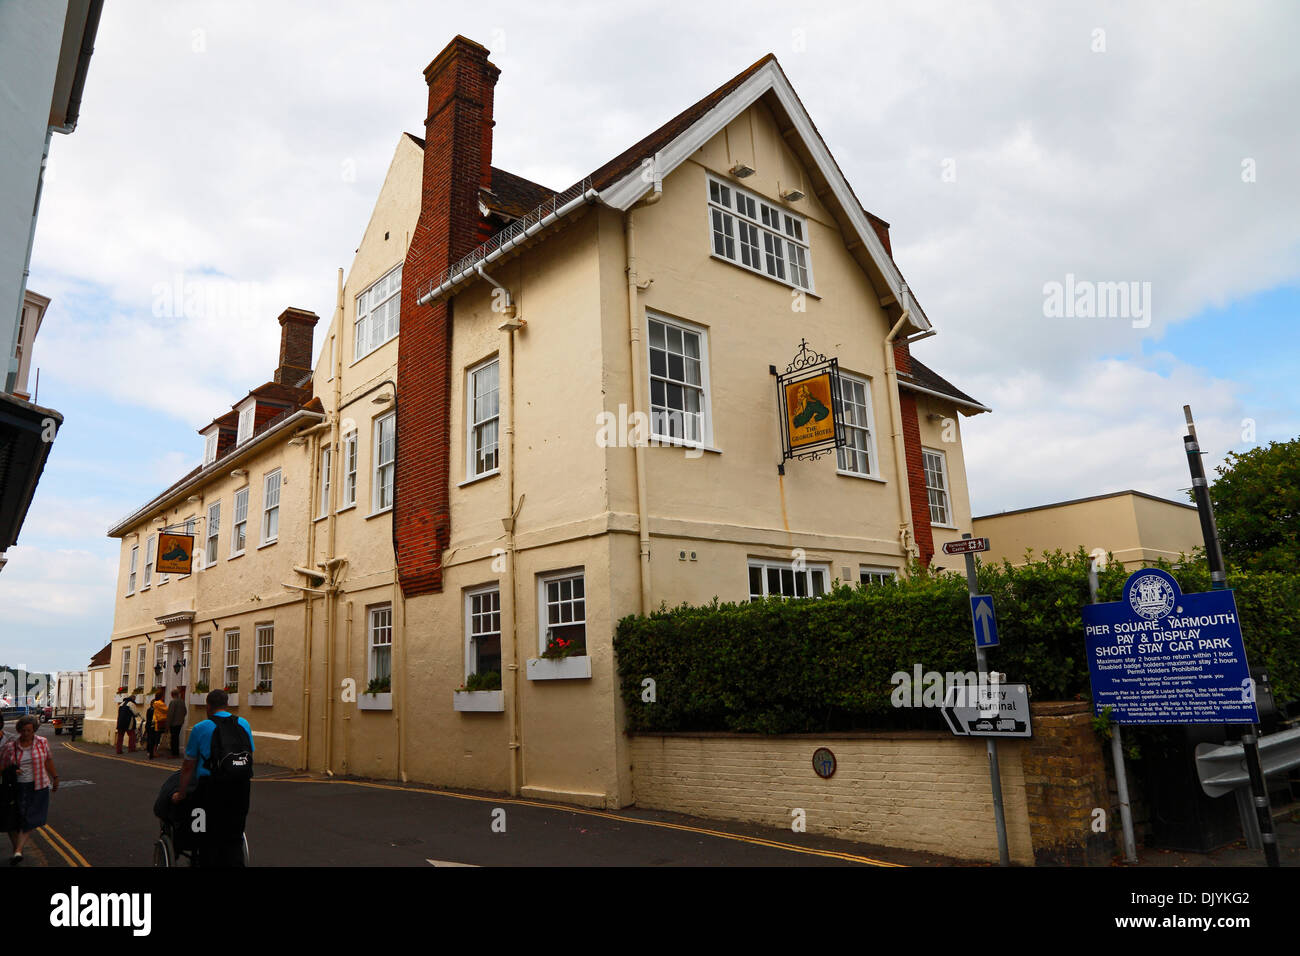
{"x":30,"y":754}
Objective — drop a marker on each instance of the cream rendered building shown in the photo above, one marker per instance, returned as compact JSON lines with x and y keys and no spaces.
{"x":481,"y":484}
{"x":1137,"y":528}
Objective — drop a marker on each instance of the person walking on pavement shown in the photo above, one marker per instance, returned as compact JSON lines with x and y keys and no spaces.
{"x":126,"y":721}
{"x":176,"y":714}
{"x":29,"y":756}
{"x":156,"y":722}
{"x":220,"y":751}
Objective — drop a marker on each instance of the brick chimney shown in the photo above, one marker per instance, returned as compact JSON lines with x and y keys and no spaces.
{"x":457,"y":161}
{"x":296,"y":330}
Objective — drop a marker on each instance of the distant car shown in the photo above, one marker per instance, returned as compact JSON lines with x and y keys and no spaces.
{"x":47,"y":714}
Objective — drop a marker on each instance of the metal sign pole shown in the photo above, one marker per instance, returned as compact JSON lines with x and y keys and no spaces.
{"x":981,"y":667}
{"x":1219,"y":580}
{"x":1117,"y":755}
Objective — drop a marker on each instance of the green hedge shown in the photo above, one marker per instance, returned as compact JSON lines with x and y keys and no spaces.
{"x":791,"y":666}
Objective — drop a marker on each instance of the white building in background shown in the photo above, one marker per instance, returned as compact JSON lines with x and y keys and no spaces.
{"x":45,"y":50}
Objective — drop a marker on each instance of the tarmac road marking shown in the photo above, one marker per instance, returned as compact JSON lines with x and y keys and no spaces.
{"x":48,"y":831}
{"x":604,"y":815}
{"x":57,"y":849}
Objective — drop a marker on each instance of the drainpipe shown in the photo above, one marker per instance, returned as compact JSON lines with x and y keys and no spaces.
{"x":510,"y":635}
{"x":331,"y":537}
{"x":906,"y":532}
{"x":639,"y":386}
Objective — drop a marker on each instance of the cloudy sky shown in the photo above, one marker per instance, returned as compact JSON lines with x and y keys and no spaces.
{"x":241,"y":146}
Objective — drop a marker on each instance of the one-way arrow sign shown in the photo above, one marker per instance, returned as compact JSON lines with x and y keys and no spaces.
{"x":989,"y":710}
{"x":985,"y":621}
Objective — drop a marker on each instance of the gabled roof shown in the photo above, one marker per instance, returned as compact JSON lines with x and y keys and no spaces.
{"x":103,"y":657}
{"x":620,"y":182}
{"x":924,"y":379}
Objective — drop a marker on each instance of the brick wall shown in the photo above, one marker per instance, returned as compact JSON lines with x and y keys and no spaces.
{"x":1065,"y":781}
{"x":457,"y":160}
{"x":913,"y":790}
{"x":919,"y":499}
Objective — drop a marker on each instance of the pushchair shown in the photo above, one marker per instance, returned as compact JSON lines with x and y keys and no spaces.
{"x":176,"y":844}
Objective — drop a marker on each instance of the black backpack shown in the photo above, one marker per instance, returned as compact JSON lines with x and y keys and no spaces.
{"x":230,"y":755}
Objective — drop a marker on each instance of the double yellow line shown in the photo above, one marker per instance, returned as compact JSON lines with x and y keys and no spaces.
{"x":62,"y":847}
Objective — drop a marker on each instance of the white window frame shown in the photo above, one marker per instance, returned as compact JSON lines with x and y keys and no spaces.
{"x":210,"y":446}
{"x":366,"y":337}
{"x":741,"y":216}
{"x":474,"y":621}
{"x":149,"y":551}
{"x":130,"y":574}
{"x":811,"y":571}
{"x":351,"y":459}
{"x":126,"y":668}
{"x":205,"y":661}
{"x":706,"y":411}
{"x":543,"y":607}
{"x":931,"y":490}
{"x":191,"y":526}
{"x":232,"y":653}
{"x":271,"y":482}
{"x":239,"y":528}
{"x":849,"y":380}
{"x":326,"y":474}
{"x":211,"y":534}
{"x":139,"y":667}
{"x":867,"y":574}
{"x":379,"y":621}
{"x":247,"y":414}
{"x":474,"y":423}
{"x":382,"y":468}
{"x":264,"y":656}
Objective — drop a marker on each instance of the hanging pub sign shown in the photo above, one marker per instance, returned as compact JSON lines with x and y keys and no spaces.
{"x":812,"y":422}
{"x":175,"y":553}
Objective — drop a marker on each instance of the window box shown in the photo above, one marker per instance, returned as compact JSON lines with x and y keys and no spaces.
{"x":479,"y":701}
{"x":375,"y":701}
{"x":560,"y":668}
{"x":259,"y":700}
{"x":232,"y":700}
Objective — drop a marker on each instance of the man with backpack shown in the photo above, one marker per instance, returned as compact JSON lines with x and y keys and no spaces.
{"x":220,"y":752}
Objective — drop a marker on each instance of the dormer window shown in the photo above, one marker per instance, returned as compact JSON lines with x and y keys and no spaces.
{"x":210,"y":448}
{"x":245,"y":423}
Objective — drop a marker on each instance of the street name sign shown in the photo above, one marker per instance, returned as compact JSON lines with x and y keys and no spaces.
{"x":984,"y":620}
{"x":1159,"y":656}
{"x":966,"y":546}
{"x":988,"y":710}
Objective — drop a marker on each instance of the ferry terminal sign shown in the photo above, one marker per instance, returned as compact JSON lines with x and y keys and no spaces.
{"x":1159,"y":656}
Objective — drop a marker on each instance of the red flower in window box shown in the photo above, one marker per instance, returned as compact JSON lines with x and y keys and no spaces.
{"x":558,"y":648}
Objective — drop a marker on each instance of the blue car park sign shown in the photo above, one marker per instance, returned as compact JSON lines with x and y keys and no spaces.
{"x":984,"y":620}
{"x":1159,"y":656}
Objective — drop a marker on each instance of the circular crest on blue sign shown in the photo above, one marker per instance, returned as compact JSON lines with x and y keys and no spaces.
{"x":1151,"y":593}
